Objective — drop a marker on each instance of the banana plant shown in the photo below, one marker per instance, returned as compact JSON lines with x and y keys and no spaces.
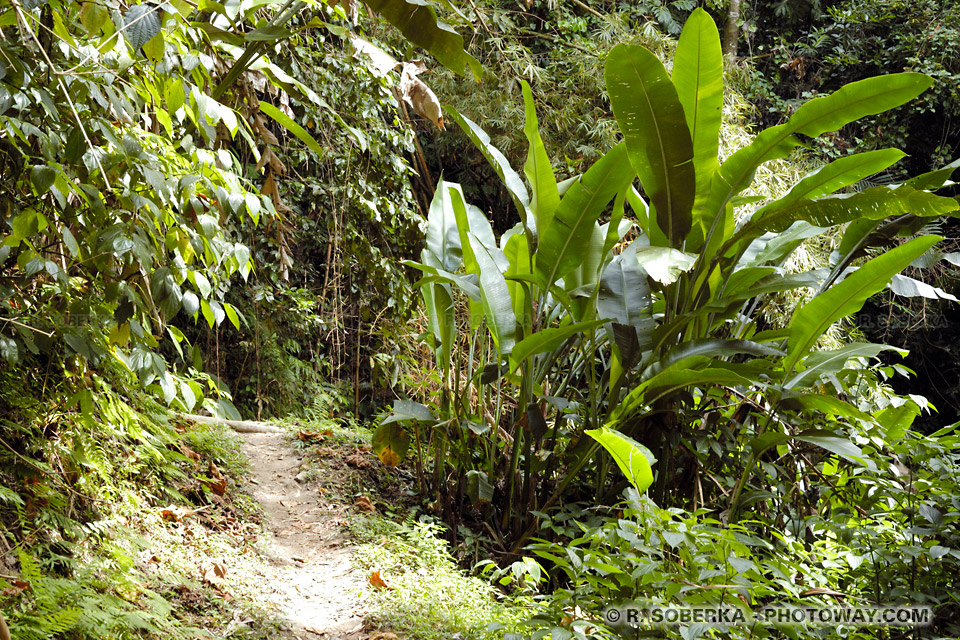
{"x":642,"y":339}
{"x":727,"y":258}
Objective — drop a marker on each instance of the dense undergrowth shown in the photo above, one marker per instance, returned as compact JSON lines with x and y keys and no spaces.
{"x":115,"y":516}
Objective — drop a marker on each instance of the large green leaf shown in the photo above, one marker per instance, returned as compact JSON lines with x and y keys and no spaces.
{"x":833,"y":443}
{"x":443,"y":235}
{"x":418,"y":22}
{"x":438,"y":301}
{"x":543,"y":182}
{"x":288,"y":123}
{"x":468,"y":283}
{"x":694,"y":371}
{"x":517,"y":252}
{"x":624,"y":295}
{"x":409,"y":411}
{"x":698,"y":77}
{"x":829,"y":113}
{"x":773,"y":248}
{"x":510,"y":178}
{"x":547,"y":340}
{"x":811,"y":320}
{"x":840,"y":173}
{"x":874,"y":203}
{"x":910,"y":288}
{"x":934,"y":179}
{"x":141,"y":23}
{"x":649,"y":113}
{"x":664,"y":264}
{"x":562,"y":245}
{"x":821,"y":362}
{"x":633,"y":458}
{"x":497,"y":304}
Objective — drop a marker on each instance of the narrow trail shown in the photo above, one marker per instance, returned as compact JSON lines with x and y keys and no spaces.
{"x":310,"y":577}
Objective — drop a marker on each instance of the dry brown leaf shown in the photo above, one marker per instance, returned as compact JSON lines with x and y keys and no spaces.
{"x":358,"y":461}
{"x":363,"y":503}
{"x":310,"y":436}
{"x":190,"y":453}
{"x":177,"y":514}
{"x":418,"y":95}
{"x":217,"y":483}
{"x":377,"y":581}
{"x":270,"y":159}
{"x":260,"y":124}
{"x":16,"y":588}
{"x":269,"y":188}
{"x":383,"y":635}
{"x":215,"y":574}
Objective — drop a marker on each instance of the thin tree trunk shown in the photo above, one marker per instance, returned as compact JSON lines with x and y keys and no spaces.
{"x":731,"y":32}
{"x":243,"y":426}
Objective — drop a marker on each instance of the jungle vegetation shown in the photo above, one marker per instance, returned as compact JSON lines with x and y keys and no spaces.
{"x":604,"y":305}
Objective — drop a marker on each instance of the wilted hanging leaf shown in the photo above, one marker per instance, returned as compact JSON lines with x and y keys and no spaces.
{"x":140,"y":24}
{"x":418,"y":95}
{"x":260,"y":124}
{"x":390,"y":442}
{"x":377,"y":581}
{"x":479,"y":488}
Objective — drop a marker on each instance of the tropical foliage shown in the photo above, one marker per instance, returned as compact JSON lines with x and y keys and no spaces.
{"x":585,"y":331}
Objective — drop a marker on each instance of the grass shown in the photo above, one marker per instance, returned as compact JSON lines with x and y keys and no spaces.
{"x":427,"y":596}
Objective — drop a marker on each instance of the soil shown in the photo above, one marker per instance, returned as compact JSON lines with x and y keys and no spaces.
{"x":310,"y":579}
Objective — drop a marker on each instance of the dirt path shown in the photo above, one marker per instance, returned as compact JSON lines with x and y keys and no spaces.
{"x":311,"y":579}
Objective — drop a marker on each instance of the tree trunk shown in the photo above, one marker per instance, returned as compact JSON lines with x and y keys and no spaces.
{"x":731,"y":31}
{"x":243,"y":426}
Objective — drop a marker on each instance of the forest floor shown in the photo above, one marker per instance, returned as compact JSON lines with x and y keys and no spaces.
{"x":311,"y":578}
{"x":340,"y":550}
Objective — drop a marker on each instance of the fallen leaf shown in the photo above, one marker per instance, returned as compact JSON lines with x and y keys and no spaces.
{"x":16,"y":588}
{"x":310,"y":436}
{"x":215,"y":574}
{"x":326,"y":451}
{"x":190,"y":453}
{"x":383,"y":635}
{"x":357,"y":460}
{"x":377,"y":581}
{"x":177,"y":514}
{"x":363,"y":503}
{"x":217,"y":483}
